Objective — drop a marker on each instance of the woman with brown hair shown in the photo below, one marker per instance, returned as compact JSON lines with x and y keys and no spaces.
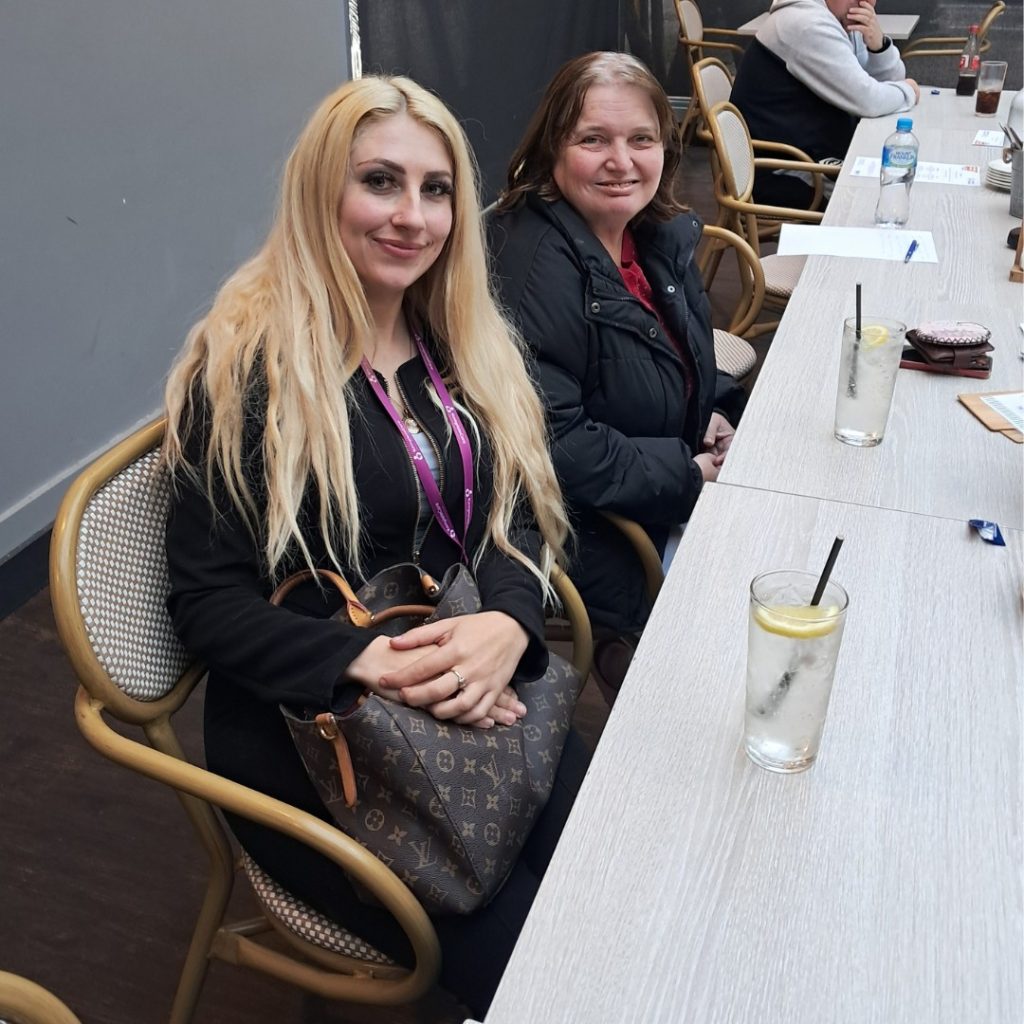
{"x":594,"y":258}
{"x":354,"y":400}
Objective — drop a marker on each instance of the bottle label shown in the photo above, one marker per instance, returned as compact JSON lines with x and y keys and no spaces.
{"x":898,"y":156}
{"x":969,"y":64}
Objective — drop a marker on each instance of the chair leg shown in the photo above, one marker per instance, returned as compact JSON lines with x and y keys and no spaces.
{"x":688,"y":125}
{"x":218,"y":887}
{"x":197,"y":960}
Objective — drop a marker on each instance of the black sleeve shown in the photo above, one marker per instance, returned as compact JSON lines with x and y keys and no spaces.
{"x":730,"y":398}
{"x":650,"y":479}
{"x":508,"y":586}
{"x":219,"y":608}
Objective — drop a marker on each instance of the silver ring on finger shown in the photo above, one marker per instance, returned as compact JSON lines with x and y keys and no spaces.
{"x":459,"y":678}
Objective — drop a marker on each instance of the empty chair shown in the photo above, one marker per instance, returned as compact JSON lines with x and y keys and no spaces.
{"x":732,"y":352}
{"x":712,"y":84}
{"x":733,"y":188}
{"x":693,"y":33}
{"x":951,"y":46}
{"x":693,"y":38}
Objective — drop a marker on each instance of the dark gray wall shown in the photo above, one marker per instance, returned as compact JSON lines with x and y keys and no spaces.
{"x":490,"y":62}
{"x":142,"y":142}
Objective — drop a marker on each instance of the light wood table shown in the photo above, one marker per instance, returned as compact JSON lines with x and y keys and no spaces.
{"x":936,"y":458}
{"x":895,"y":26}
{"x":884,"y":884}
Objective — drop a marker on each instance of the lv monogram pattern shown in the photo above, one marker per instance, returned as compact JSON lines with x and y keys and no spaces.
{"x":446,"y":807}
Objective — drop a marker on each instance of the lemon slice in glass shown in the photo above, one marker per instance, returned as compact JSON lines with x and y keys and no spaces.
{"x":799,"y":621}
{"x":873,"y":335}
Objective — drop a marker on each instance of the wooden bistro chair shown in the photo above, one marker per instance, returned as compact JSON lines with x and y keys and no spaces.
{"x":733,"y":353}
{"x":646,"y":553}
{"x":24,"y":1002}
{"x":712,"y":84}
{"x":733,"y":190}
{"x":693,"y":39}
{"x":109,"y":581}
{"x":952,"y":46}
{"x":561,"y":629}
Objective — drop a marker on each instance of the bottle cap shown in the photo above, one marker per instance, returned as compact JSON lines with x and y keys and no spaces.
{"x":904,"y":124}
{"x":973,"y":29}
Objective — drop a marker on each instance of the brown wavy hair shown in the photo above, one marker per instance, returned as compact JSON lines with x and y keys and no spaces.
{"x":533,"y":163}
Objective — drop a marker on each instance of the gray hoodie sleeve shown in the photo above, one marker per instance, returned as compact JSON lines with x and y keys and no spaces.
{"x":835,"y":64}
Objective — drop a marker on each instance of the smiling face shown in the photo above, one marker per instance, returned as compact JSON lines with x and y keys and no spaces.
{"x":610,"y":166}
{"x":396,"y":209}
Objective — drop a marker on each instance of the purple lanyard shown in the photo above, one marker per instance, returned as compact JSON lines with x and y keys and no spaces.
{"x":426,"y":478}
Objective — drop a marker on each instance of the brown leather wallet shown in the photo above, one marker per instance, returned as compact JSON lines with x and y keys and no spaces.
{"x":955,"y":347}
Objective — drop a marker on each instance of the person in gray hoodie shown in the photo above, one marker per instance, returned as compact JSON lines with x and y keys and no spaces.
{"x":814,"y":68}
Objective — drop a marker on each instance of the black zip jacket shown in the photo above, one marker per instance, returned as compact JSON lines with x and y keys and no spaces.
{"x":623,"y":431}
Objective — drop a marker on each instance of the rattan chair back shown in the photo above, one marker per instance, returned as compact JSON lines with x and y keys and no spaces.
{"x":733,"y":149}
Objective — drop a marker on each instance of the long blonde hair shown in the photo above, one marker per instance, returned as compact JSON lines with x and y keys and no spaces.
{"x":297,"y":315}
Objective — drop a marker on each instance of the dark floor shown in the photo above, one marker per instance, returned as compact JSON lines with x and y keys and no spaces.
{"x":100,"y":876}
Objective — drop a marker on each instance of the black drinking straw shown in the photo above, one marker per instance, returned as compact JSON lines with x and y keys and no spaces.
{"x":829,"y":563}
{"x":774,"y":699}
{"x":851,"y":384}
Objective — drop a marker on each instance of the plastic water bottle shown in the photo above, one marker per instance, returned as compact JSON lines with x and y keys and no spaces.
{"x":899,"y":165}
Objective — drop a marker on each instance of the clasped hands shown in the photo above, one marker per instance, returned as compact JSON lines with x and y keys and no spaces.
{"x":455,"y":668}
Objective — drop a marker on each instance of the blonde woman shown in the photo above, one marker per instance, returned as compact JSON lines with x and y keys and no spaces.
{"x":308,"y":426}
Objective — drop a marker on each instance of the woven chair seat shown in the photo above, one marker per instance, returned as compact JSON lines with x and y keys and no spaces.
{"x":781,"y":274}
{"x":733,"y":355}
{"x":304,"y":921}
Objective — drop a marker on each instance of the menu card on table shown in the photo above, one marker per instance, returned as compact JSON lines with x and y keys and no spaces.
{"x":1001,"y":411}
{"x":890,"y":244}
{"x":934,"y":174}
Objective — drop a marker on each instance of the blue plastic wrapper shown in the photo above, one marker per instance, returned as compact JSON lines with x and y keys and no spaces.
{"x":988,"y":531}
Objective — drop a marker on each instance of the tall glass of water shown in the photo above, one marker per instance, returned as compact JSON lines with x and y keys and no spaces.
{"x":792,"y":649}
{"x":868,"y":363}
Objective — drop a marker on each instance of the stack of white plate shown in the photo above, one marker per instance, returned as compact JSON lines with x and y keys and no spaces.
{"x":998,"y":175}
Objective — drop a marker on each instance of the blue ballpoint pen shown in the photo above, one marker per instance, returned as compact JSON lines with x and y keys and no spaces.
{"x":910,"y":251}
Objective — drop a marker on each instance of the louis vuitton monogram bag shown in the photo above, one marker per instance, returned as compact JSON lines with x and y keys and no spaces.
{"x":446,"y":807}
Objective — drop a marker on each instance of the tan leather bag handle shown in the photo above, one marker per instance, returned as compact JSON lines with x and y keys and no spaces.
{"x":359,"y":615}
